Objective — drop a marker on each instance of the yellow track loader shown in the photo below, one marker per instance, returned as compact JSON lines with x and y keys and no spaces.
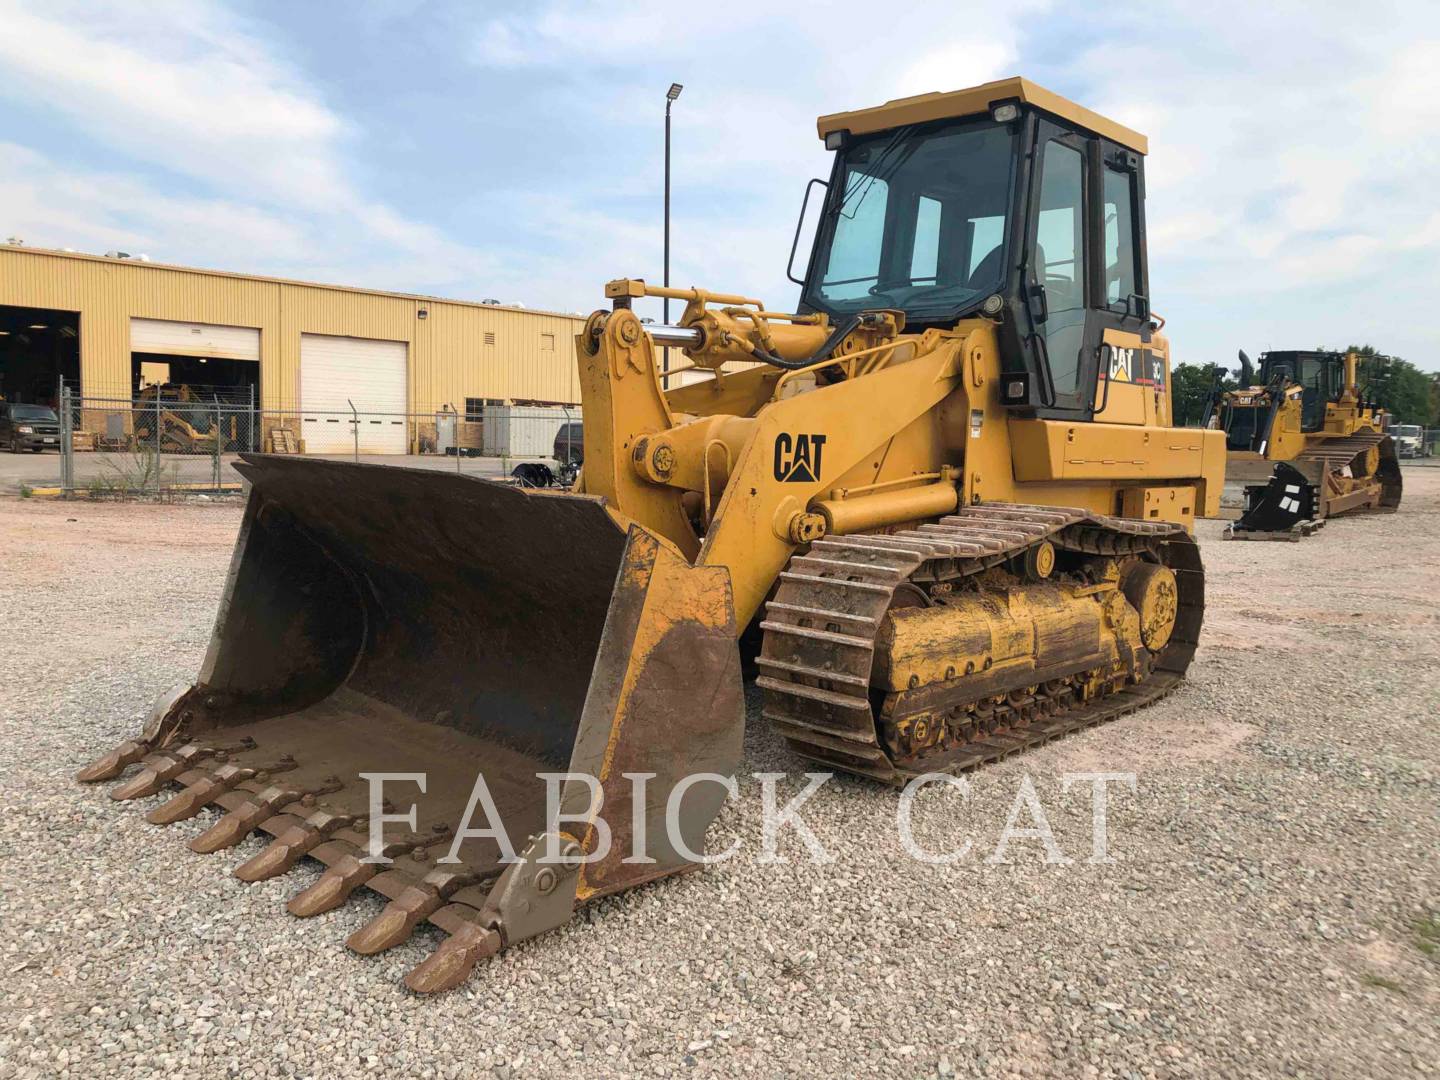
{"x":187,"y":425}
{"x":945,"y":495}
{"x":1315,"y":447}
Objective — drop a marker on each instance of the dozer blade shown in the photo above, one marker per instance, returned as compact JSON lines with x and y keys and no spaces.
{"x":1285,"y":504}
{"x":434,"y":631}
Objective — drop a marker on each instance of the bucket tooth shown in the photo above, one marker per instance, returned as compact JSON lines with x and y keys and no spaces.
{"x":396,"y":923}
{"x":400,"y":917}
{"x":110,"y":765}
{"x":349,"y":873}
{"x":144,"y":783}
{"x":163,"y":767}
{"x":165,"y":718}
{"x":193,"y":799}
{"x":291,"y":846}
{"x":451,"y":964}
{"x":236,"y":825}
{"x":333,"y":888}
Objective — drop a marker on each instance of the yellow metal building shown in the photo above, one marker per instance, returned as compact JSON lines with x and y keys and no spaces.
{"x":303,"y":351}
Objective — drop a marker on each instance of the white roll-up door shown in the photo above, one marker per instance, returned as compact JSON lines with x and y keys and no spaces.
{"x":194,"y":339}
{"x":337,"y":370}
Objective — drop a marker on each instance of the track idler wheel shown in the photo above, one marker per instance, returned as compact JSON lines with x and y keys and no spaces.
{"x":1152,"y":592}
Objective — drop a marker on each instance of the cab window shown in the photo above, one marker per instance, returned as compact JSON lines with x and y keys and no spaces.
{"x":853,"y":267}
{"x":1121,"y":250}
{"x":925,"y":253}
{"x":1059,"y":261}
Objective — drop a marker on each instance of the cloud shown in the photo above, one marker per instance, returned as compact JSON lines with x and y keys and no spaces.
{"x":1290,"y":176}
{"x":184,"y":86}
{"x":219,"y":152}
{"x":965,"y":63}
{"x":555,"y":34}
{"x":47,"y":202}
{"x":114,"y":210}
{"x":744,"y":129}
{"x":1289,"y":180}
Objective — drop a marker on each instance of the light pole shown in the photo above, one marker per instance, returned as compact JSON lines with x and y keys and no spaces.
{"x":670,"y":96}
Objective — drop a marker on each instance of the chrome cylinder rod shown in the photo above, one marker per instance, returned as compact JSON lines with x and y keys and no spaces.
{"x":683,"y":336}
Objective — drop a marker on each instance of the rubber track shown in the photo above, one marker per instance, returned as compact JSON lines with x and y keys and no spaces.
{"x":821,"y":626}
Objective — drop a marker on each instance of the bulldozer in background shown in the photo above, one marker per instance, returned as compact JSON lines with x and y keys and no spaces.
{"x":1312,"y":444}
{"x":949,"y":501}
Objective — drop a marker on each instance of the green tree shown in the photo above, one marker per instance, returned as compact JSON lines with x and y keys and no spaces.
{"x":1190,"y":389}
{"x":1397,"y":385}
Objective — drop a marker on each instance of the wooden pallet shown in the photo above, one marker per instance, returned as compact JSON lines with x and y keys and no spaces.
{"x":284,"y":441}
{"x":1293,"y":534}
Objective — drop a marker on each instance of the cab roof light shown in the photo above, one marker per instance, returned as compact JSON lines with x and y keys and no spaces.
{"x":1005,"y":112}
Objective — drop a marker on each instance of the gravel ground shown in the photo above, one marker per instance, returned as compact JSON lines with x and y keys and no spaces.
{"x":1270,"y":911}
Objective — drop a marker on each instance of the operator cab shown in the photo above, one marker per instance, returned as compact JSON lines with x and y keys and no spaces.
{"x":1320,"y":376}
{"x":1003,"y":201}
{"x":1247,"y":415}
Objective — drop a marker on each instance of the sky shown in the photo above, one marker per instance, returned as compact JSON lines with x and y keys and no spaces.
{"x":515,"y":151}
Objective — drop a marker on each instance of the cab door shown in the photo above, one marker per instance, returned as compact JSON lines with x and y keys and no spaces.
{"x":1131,"y":369}
{"x":1056,"y":274}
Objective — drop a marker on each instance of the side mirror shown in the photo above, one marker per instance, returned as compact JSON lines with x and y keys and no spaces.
{"x":799,"y":225}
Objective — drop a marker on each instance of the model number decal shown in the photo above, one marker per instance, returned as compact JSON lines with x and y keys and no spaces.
{"x":1132,"y":365}
{"x":797,"y":458}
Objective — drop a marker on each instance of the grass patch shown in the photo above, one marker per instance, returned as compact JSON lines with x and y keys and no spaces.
{"x":1383,"y":983}
{"x":1427,"y":934}
{"x":26,"y":491}
{"x":141,"y":474}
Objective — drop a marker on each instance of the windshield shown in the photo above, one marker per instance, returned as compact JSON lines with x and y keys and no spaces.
{"x":31,"y":412}
{"x":1272,"y":368}
{"x":915,"y":220}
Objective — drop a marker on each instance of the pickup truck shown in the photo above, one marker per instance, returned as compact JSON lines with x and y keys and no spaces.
{"x":1409,"y":440}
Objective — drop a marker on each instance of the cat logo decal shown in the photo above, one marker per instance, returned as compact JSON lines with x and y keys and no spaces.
{"x":797,"y":458}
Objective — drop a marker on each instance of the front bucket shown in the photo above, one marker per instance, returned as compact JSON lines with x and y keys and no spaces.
{"x":423,"y":624}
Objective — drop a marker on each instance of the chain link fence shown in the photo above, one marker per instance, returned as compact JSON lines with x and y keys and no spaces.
{"x":168,"y":442}
{"x":175,"y":440}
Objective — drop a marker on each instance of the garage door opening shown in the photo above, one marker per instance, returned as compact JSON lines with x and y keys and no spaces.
{"x":216,"y":362}
{"x":212,"y":379}
{"x":195,"y":378}
{"x":38,"y":347}
{"x":176,"y":405}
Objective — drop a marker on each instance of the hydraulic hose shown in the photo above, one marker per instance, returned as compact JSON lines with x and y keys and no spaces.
{"x":829,"y":345}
